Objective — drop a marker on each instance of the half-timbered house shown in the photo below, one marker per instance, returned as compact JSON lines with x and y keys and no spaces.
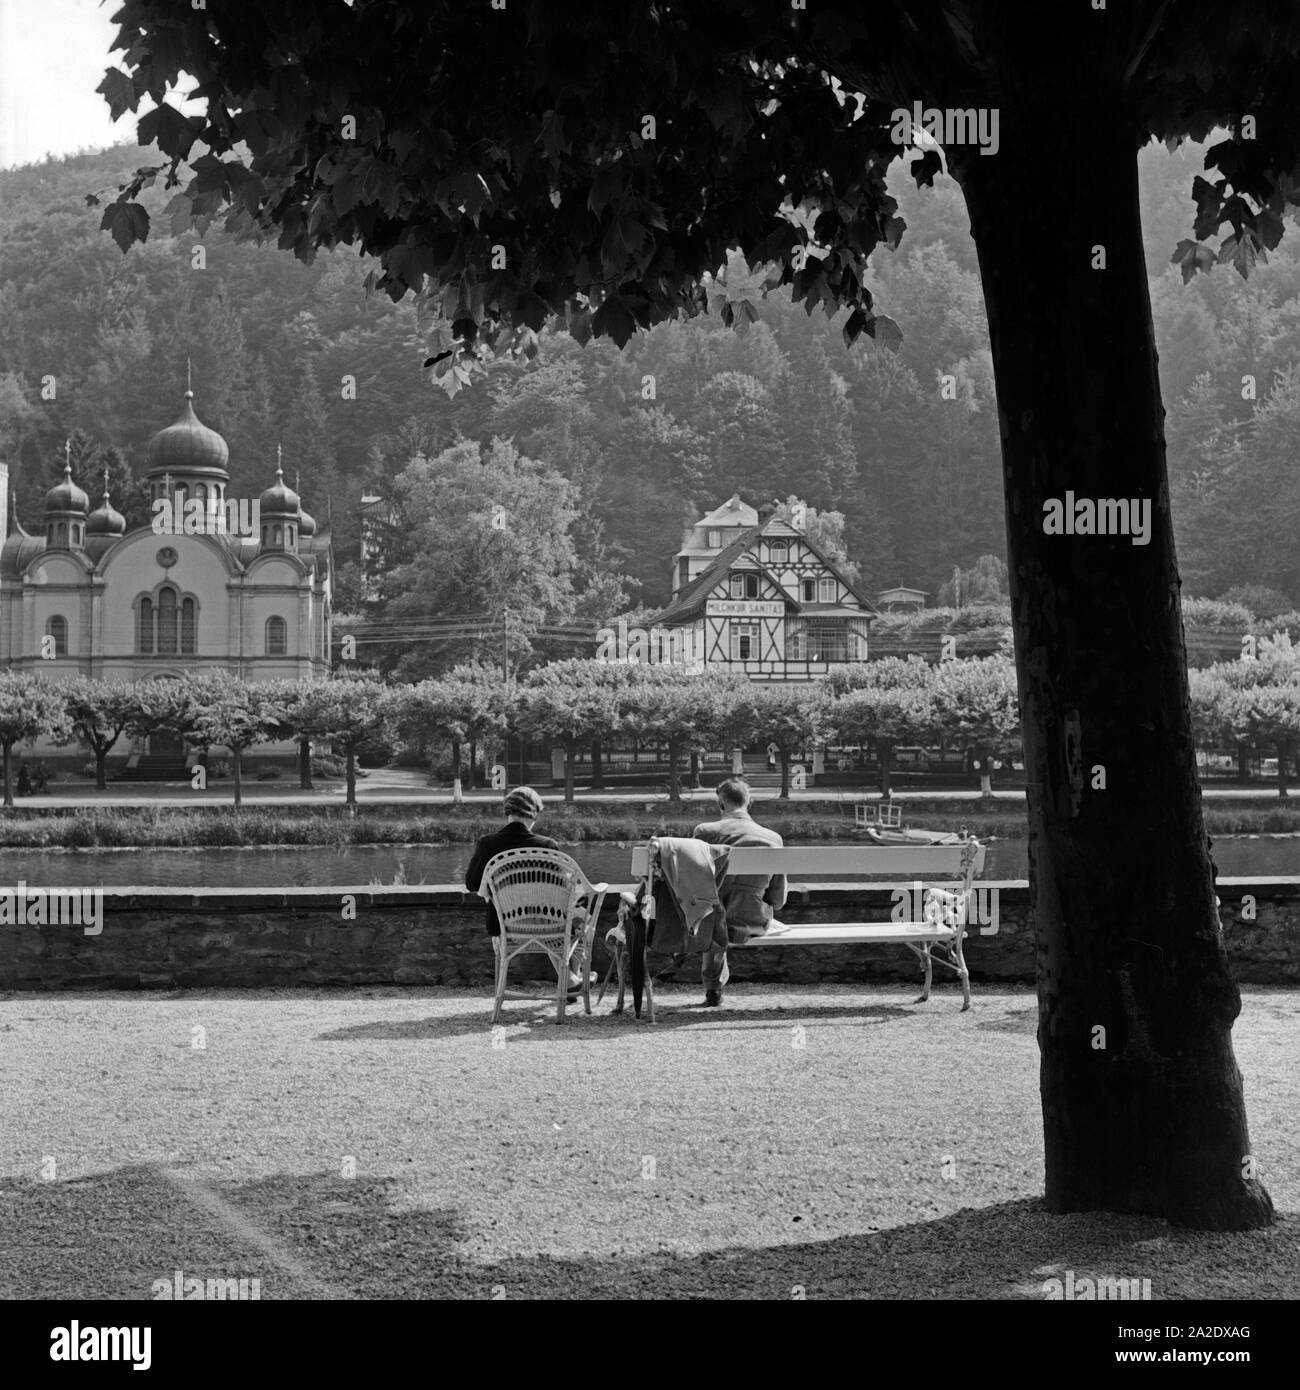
{"x":755,"y":595}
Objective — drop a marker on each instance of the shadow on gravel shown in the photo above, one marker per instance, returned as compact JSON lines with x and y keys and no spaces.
{"x":1016,"y":1021}
{"x":539,"y":1024}
{"x":112,"y":1235}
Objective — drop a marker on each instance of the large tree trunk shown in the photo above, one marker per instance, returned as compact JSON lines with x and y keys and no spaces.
{"x":674,"y":769}
{"x":1147,"y":1116}
{"x":9,"y":778}
{"x":304,"y":764}
{"x":237,"y":758}
{"x":597,"y":766}
{"x":885,"y":758}
{"x":101,"y":769}
{"x":1283,"y":756}
{"x":570,"y":770}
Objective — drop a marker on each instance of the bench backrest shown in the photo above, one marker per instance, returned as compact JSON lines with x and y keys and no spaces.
{"x":847,"y":861}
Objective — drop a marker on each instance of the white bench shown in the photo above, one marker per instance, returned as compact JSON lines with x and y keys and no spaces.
{"x":943,"y":924}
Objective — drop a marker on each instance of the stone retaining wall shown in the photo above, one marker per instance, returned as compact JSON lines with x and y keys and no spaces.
{"x":169,"y":938}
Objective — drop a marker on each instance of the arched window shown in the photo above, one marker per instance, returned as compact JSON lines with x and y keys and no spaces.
{"x":277,"y":637}
{"x":778,"y":552}
{"x":57,"y":628}
{"x":167,"y":623}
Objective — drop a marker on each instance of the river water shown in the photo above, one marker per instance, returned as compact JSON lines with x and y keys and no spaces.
{"x":311,"y":866}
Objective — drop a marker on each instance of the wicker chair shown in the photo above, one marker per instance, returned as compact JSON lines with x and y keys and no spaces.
{"x":545,"y":903}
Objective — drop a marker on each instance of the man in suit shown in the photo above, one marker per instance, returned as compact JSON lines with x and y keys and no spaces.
{"x":749,"y":899}
{"x":522,"y":807}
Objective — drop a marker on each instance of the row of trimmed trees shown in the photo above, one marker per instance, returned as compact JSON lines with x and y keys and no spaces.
{"x":1252,"y":703}
{"x":582,"y":704}
{"x":207,"y":709}
{"x":969,"y":704}
{"x":576,"y":705}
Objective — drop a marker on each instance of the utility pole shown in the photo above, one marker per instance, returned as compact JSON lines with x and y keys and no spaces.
{"x":505,"y":683}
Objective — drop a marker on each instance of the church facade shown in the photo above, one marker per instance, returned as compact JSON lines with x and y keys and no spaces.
{"x":756,"y":596}
{"x":195,"y":590}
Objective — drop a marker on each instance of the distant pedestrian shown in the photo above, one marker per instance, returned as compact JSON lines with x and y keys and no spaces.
{"x":772,"y":751}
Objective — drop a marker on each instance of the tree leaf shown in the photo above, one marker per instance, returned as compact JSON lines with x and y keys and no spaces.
{"x":1192,"y":257}
{"x":128,"y":223}
{"x":579,"y":326}
{"x":885,"y":331}
{"x":614,"y":320}
{"x":168,"y":129}
{"x":119,"y":91}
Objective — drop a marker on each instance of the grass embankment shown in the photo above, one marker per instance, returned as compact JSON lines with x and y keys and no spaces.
{"x":129,"y":828}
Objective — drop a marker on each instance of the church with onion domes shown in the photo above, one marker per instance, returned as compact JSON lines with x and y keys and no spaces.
{"x":86,"y":597}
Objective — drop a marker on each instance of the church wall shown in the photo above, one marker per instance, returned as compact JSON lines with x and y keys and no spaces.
{"x":277,"y":588}
{"x":133,"y":569}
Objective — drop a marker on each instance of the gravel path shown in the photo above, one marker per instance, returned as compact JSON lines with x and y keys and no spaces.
{"x":384,"y":1144}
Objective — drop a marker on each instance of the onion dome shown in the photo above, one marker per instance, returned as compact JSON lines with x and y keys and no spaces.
{"x":66,"y":496}
{"x":279,"y":500}
{"x":18,"y":550}
{"x":187,"y":445}
{"x":106,"y":520}
{"x":306,"y":522}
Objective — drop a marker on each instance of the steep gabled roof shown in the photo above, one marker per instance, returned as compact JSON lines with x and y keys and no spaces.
{"x":689,"y":603}
{"x":733,"y":512}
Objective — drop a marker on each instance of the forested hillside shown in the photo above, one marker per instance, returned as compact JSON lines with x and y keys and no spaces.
{"x":905,"y":445}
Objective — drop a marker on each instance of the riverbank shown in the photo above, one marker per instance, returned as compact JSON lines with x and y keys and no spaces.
{"x":203,"y":826}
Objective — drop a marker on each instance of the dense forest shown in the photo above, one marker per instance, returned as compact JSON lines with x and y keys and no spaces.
{"x":94,"y":346}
